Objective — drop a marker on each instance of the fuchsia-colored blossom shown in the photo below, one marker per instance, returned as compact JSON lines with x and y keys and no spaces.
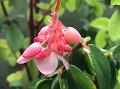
{"x":50,"y":44}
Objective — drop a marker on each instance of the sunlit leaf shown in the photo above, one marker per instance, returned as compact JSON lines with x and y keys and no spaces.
{"x":100,"y":38}
{"x":71,"y":5}
{"x":115,"y":2}
{"x":100,"y":23}
{"x":17,"y":79}
{"x":114,"y":26}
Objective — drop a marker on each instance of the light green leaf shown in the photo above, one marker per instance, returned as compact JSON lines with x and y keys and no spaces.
{"x":81,"y":79}
{"x":114,"y":26}
{"x":70,"y":5}
{"x":100,"y":39}
{"x":102,"y":67}
{"x":17,"y":79}
{"x":47,"y":19}
{"x":100,"y":23}
{"x":115,"y":2}
{"x":43,"y":5}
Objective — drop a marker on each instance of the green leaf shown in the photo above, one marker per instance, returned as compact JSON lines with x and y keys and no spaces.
{"x":116,"y":53}
{"x":70,"y":5}
{"x":43,"y":84}
{"x":63,"y":84}
{"x":100,"y":23}
{"x":6,"y":54}
{"x":82,"y":81}
{"x":13,"y":36}
{"x":102,"y":67}
{"x":100,"y":39}
{"x":43,"y":5}
{"x":47,"y":19}
{"x":115,"y":2}
{"x":18,"y":78}
{"x":114,"y":26}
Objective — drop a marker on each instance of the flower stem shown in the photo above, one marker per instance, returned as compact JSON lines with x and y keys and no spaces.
{"x":58,"y":6}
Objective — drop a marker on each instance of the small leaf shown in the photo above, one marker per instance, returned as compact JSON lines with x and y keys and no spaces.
{"x":70,"y":5}
{"x":17,"y":79}
{"x":114,"y":26}
{"x":115,"y":2}
{"x":81,"y":79}
{"x":100,"y":23}
{"x":43,"y":5}
{"x":47,"y":19}
{"x":100,"y":38}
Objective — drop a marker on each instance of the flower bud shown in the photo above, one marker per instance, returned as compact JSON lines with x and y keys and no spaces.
{"x":72,"y":36}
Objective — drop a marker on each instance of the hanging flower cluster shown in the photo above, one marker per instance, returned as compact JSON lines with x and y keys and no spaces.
{"x":50,"y":45}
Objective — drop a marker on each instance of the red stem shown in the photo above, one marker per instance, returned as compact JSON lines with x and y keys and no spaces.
{"x":58,"y":6}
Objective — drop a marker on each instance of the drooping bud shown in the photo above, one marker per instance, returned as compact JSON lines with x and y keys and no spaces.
{"x":32,"y":50}
{"x":72,"y":36}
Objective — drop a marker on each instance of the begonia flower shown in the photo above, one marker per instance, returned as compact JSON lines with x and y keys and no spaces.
{"x":50,"y":45}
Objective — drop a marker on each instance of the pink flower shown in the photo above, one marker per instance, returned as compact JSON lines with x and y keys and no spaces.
{"x":50,"y":45}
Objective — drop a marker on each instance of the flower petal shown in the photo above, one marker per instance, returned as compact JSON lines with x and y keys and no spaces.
{"x":23,"y":60}
{"x":48,"y":65}
{"x":63,"y":60}
{"x":32,"y":50}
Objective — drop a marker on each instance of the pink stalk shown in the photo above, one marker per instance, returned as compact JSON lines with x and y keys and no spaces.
{"x":57,"y":6}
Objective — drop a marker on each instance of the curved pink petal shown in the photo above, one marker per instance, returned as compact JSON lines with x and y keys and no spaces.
{"x":32,"y":50}
{"x":23,"y":60}
{"x":63,"y":60}
{"x":43,"y":31}
{"x":71,"y":35}
{"x":48,"y":65}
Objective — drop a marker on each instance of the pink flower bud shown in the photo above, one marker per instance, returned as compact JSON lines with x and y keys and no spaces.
{"x":72,"y":36}
{"x":32,"y":50}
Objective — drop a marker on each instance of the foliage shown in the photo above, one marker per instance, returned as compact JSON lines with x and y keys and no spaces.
{"x":94,"y":67}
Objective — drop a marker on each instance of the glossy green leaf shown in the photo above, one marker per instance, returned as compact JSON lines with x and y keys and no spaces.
{"x":115,"y":2}
{"x":43,"y":84}
{"x":102,"y":67}
{"x":81,"y":79}
{"x":70,"y":5}
{"x":63,"y":84}
{"x":114,"y":26}
{"x":13,"y":36}
{"x":100,"y":23}
{"x":116,"y":53}
{"x":100,"y":39}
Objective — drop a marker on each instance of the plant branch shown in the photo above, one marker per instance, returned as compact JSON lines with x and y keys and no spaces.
{"x":31,"y":21}
{"x":3,"y":8}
